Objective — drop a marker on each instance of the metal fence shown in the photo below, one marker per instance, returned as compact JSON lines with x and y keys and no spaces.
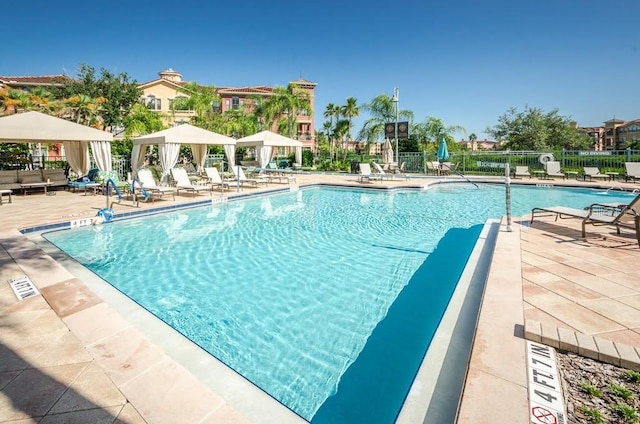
{"x":474,"y":163}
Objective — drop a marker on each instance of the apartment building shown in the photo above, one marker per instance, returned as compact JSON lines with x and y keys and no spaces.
{"x":159,"y":94}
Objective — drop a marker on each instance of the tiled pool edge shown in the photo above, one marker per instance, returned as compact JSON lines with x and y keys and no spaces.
{"x":436,"y":390}
{"x":254,"y":404}
{"x":495,"y":388}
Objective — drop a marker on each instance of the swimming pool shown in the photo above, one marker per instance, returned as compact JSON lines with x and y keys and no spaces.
{"x":311,"y":295}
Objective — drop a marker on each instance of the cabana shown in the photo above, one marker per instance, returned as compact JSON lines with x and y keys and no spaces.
{"x":169,"y":142}
{"x":265,"y":141}
{"x":36,"y":127}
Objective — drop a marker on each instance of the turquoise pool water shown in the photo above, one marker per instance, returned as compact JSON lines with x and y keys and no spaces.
{"x":327,"y":299}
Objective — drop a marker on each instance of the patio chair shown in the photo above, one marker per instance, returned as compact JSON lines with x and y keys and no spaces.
{"x":366,"y":174}
{"x":632,"y":171}
{"x":242,"y":178}
{"x":552,"y":169}
{"x":592,"y":172}
{"x":82,"y":182}
{"x":215,"y":179}
{"x":380,"y":171}
{"x":522,"y":171}
{"x":626,"y":216}
{"x":184,"y":183}
{"x":149,"y":188}
{"x":433,"y":168}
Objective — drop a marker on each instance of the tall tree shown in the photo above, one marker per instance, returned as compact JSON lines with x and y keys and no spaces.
{"x":433,"y":130}
{"x":350,"y":111}
{"x":533,"y":129}
{"x":287,"y":103}
{"x":381,"y":111}
{"x":118,"y":90}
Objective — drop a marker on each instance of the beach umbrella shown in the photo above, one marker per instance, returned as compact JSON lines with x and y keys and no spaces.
{"x":387,"y":152}
{"x":443,"y":151}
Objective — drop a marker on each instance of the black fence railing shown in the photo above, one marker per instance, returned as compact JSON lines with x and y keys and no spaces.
{"x":466,"y":162}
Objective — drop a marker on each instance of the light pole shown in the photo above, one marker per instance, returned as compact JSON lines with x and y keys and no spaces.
{"x":395,"y":100}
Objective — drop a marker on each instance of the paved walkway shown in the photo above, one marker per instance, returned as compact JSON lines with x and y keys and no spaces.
{"x":67,"y":356}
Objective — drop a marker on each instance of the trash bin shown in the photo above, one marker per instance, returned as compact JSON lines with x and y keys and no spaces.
{"x":354,"y":166}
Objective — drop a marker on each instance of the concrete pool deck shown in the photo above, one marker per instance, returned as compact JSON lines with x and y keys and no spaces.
{"x":68,"y":356}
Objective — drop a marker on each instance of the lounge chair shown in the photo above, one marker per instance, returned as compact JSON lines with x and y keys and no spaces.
{"x":183,"y":183}
{"x":626,"y":216}
{"x":446,"y":168}
{"x":592,"y":172}
{"x":366,"y":174}
{"x":214,"y":178}
{"x":242,"y":178}
{"x":81,"y":183}
{"x":433,"y":168}
{"x":552,"y":169}
{"x":522,"y":171}
{"x":381,"y":171}
{"x":149,"y":188}
{"x":632,"y":171}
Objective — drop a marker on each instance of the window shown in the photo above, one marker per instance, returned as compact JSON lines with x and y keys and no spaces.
{"x":215,"y":107}
{"x":235,"y":102}
{"x":153,"y":102}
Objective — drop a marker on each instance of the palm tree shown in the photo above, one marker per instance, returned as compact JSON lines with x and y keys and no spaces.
{"x":287,"y":102}
{"x":84,"y":109}
{"x":350,"y":111}
{"x":199,"y":98}
{"x":382,"y":111}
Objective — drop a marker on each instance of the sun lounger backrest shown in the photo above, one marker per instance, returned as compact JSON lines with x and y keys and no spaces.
{"x":365,"y":169}
{"x":631,"y":211}
{"x":181,"y":177}
{"x":591,"y":170}
{"x":632,"y":169}
{"x":213,"y":174}
{"x":553,"y":167}
{"x":378,"y":168}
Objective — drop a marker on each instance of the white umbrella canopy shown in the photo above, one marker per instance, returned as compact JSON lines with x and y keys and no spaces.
{"x":169,"y":142}
{"x":268,"y":138}
{"x":265,"y":141}
{"x":184,"y":134}
{"x":36,"y":127}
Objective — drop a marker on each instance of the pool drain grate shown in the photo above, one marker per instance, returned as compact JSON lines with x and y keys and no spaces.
{"x":23,"y":287}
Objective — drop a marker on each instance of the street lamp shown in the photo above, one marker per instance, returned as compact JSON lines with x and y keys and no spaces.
{"x":395,"y":100}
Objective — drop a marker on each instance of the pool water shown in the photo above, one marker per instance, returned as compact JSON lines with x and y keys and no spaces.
{"x":327,"y":299}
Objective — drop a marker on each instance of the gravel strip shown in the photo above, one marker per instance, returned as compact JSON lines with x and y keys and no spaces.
{"x":595,"y":390}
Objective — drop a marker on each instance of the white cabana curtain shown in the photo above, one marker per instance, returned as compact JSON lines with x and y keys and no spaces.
{"x":230,"y":152}
{"x":77,"y":154}
{"x":137,"y":158}
{"x":168,"y":156}
{"x":199,"y":155}
{"x":102,"y":154}
{"x":264,"y":154}
{"x":299,"y":155}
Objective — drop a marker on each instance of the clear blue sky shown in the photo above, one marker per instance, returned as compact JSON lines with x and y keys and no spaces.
{"x":464,"y":61}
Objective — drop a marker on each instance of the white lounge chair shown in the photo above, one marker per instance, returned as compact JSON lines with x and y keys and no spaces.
{"x":632,"y":171}
{"x":242,"y":178}
{"x":552,"y":169}
{"x":592,"y":172}
{"x":380,"y":171}
{"x":215,"y":179}
{"x":366,"y":174}
{"x":148,"y":184}
{"x":522,"y":171}
{"x":626,"y":216}
{"x":183,"y":183}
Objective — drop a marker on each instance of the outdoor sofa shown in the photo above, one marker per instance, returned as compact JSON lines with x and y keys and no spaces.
{"x":25,"y":179}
